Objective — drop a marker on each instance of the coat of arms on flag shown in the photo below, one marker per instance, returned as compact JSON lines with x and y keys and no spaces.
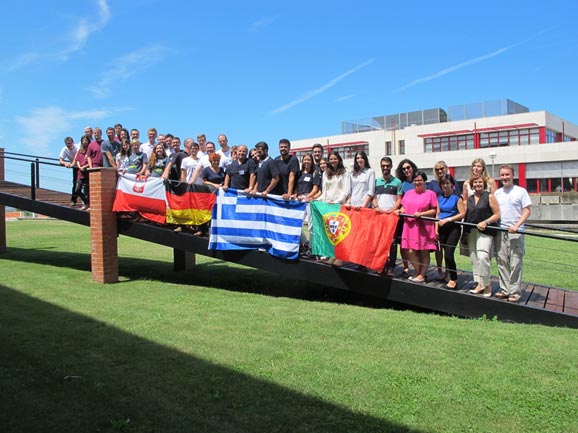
{"x":358,"y":236}
{"x":337,"y":226}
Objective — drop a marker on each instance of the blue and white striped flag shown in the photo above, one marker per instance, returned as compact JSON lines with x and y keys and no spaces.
{"x":242,"y":222}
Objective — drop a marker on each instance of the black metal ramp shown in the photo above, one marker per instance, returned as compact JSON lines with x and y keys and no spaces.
{"x":539,"y":305}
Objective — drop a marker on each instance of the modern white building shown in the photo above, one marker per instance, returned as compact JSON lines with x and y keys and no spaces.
{"x":542,"y":147}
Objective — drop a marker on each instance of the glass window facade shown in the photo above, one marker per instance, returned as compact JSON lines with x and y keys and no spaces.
{"x":452,"y":142}
{"x":514,"y":137}
{"x":345,"y":150}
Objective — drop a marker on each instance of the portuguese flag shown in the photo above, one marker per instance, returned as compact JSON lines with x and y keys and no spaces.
{"x":358,"y":236}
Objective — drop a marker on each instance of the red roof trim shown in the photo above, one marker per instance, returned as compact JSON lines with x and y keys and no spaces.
{"x":501,"y":128}
{"x":441,"y":134}
{"x":330,"y":146}
{"x":469,"y":131}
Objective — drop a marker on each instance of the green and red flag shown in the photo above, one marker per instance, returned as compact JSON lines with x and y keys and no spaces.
{"x":189,"y":204}
{"x":361,"y":236}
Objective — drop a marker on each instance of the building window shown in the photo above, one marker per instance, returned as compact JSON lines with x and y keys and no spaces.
{"x":515,"y":137}
{"x":388,"y":149}
{"x":551,"y":136}
{"x":552,"y":184}
{"x":452,"y":142}
{"x":401,"y":147}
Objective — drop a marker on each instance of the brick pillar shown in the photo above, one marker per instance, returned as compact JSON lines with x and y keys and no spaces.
{"x":2,"y":208}
{"x":103,"y":229}
{"x":183,"y":260}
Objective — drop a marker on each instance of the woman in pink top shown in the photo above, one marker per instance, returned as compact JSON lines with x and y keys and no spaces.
{"x":419,"y":236}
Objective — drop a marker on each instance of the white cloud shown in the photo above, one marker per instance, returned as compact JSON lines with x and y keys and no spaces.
{"x":310,"y":94}
{"x":127,"y":66}
{"x":456,"y":67}
{"x":80,"y":34}
{"x":20,"y":61}
{"x":263,"y":22}
{"x":344,"y":98}
{"x":49,"y":124}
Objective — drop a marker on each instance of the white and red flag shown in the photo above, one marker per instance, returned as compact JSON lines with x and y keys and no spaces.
{"x":145,"y":195}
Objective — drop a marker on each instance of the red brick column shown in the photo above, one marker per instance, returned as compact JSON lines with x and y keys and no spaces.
{"x":103,"y":229}
{"x":2,"y":208}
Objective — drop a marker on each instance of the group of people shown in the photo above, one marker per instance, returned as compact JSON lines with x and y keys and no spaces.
{"x":160,"y":156}
{"x":434,"y":215}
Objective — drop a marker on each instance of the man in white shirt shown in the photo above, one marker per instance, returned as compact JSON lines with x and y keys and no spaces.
{"x":509,"y":245}
{"x":202,"y":140}
{"x":224,"y":151}
{"x":66,"y":159}
{"x":148,"y":147}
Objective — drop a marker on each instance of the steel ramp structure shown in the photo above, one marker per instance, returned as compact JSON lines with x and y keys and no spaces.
{"x":549,"y":306}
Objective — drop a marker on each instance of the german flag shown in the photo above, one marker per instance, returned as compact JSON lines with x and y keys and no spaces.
{"x":189,"y":204}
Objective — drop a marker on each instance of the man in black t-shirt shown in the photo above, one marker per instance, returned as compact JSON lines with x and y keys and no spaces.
{"x":288,"y":167}
{"x":241,"y":173}
{"x":267,"y":172}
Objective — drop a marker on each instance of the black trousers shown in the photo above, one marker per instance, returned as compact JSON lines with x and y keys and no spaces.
{"x":449,"y":236}
{"x":74,"y":196}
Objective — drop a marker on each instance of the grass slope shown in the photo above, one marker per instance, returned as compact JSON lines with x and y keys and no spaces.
{"x":224,"y":348}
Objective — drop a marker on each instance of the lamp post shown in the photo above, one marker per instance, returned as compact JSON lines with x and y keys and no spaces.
{"x":493,"y":157}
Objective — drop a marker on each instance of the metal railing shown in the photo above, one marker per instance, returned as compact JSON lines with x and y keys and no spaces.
{"x":35,"y":163}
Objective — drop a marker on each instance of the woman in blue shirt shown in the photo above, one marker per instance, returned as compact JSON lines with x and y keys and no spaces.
{"x":450,"y":209}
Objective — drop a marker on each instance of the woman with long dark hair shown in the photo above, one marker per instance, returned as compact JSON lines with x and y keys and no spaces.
{"x":157,"y":162}
{"x":336,"y":181}
{"x":81,"y":188}
{"x":450,"y":209}
{"x":405,"y":172}
{"x":362,"y":182}
{"x":336,"y":187}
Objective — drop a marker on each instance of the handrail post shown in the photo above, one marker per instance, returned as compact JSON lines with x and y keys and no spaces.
{"x":32,"y":181}
{"x":37,"y":173}
{"x":2,"y":207}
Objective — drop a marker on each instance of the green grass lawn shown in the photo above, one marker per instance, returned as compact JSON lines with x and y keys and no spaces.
{"x":224,"y":348}
{"x":548,"y":262}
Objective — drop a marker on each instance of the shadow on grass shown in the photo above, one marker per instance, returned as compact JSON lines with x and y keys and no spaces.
{"x":64,"y":372}
{"x":213,"y":273}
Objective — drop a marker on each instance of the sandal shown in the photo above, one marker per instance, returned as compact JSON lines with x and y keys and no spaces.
{"x":477,"y":290}
{"x":501,"y":295}
{"x":514,"y":298}
{"x":451,"y":286}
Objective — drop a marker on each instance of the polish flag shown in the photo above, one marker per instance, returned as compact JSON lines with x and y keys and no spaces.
{"x":145,"y":195}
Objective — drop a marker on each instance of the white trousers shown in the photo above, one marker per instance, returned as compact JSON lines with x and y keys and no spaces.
{"x":480,"y":246}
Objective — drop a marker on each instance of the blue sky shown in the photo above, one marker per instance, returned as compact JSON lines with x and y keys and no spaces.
{"x":258,"y":70}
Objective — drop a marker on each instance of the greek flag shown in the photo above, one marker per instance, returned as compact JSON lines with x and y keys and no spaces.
{"x":242,"y":222}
